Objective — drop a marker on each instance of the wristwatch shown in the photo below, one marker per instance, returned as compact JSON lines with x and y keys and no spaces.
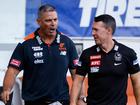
{"x":83,"y":98}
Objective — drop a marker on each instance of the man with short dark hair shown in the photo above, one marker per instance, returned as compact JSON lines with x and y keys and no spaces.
{"x":107,"y":64}
{"x":45,"y":57}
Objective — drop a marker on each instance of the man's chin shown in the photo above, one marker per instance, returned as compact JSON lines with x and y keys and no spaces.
{"x":52,"y":34}
{"x":97,"y":43}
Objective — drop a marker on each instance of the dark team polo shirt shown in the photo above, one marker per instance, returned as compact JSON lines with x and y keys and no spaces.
{"x":45,"y":67}
{"x":108,"y":73}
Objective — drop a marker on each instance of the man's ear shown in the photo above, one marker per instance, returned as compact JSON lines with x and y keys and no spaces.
{"x":38,"y":21}
{"x":110,"y":30}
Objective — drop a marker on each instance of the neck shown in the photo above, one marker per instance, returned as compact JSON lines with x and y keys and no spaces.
{"x":106,"y":47}
{"x":46,"y":38}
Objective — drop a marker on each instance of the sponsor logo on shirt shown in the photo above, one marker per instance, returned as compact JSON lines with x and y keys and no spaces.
{"x":95,"y":57}
{"x":94,"y":69}
{"x":38,"y":54}
{"x":117,"y":64}
{"x":15,"y":62}
{"x":95,"y":63}
{"x":63,"y":53}
{"x":75,"y":62}
{"x":37,"y":48}
{"x":38,"y":61}
{"x":79,"y":63}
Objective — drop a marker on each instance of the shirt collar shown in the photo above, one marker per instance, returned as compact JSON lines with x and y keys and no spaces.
{"x":57,"y":38}
{"x":115,"y":48}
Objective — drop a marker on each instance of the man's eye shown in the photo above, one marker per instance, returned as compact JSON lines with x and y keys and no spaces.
{"x":55,"y":19}
{"x":47,"y":20}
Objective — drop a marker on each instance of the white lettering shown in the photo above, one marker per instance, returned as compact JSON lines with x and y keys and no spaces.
{"x":101,"y":7}
{"x":133,"y":14}
{"x":37,"y":61}
{"x":94,"y":69}
{"x":87,"y":6}
{"x":37,"y":48}
{"x":116,"y":8}
{"x":126,"y":12}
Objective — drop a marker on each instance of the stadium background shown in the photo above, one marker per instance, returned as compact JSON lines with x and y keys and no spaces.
{"x":18,"y":18}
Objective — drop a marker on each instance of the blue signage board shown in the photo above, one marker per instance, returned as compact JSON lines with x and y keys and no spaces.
{"x":76,"y":16}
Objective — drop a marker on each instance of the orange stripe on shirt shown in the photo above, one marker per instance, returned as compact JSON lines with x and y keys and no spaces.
{"x":30,"y":36}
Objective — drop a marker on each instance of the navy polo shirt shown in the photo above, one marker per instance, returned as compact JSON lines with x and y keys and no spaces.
{"x":108,"y":73}
{"x":45,"y":67}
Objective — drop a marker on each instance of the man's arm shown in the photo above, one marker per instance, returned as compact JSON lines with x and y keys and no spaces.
{"x":77,"y":88}
{"x":83,"y":90}
{"x":8,"y":83}
{"x":135,"y":78}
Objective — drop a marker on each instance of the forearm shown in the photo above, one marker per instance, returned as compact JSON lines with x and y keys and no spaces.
{"x":137,"y":96}
{"x":137,"y":93}
{"x":83,"y":89}
{"x":9,"y":78}
{"x":76,"y":89}
{"x":136,"y":86}
{"x":8,"y":83}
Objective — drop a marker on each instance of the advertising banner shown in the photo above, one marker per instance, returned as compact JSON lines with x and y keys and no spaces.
{"x":76,"y":16}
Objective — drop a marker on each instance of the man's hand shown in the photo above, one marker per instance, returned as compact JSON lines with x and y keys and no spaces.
{"x":81,"y":102}
{"x":5,"y":96}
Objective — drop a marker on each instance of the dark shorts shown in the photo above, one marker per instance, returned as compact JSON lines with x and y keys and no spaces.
{"x":45,"y":102}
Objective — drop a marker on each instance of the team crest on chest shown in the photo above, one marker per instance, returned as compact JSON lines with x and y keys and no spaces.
{"x":62,"y":48}
{"x":117,"y":56}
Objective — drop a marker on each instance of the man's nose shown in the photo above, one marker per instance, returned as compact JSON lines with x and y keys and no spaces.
{"x":52,"y":22}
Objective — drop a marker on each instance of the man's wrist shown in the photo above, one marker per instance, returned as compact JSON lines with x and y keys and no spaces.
{"x":83,"y":98}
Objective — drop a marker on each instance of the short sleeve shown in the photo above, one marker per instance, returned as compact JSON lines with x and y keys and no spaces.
{"x":73,"y":56}
{"x":16,"y":60}
{"x":133,"y":63}
{"x":82,"y":68}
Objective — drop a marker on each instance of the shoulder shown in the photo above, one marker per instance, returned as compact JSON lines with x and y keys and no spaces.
{"x":67,"y":40}
{"x":92,"y":48}
{"x":29,"y":36}
{"x":28,"y":42}
{"x":125,"y":50}
{"x":65,"y":37}
{"x":89,"y":51}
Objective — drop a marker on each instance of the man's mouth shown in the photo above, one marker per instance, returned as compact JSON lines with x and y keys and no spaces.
{"x":52,"y":30}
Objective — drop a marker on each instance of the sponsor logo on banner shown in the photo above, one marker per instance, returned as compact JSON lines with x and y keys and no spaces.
{"x":126,"y":12}
{"x":15,"y":62}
